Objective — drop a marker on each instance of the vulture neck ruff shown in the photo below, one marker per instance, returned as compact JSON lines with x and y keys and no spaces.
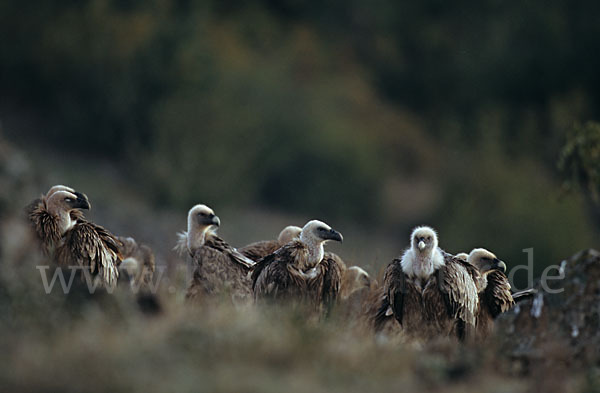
{"x":315,"y":249}
{"x":196,"y":238}
{"x":65,"y":222}
{"x":417,"y":264}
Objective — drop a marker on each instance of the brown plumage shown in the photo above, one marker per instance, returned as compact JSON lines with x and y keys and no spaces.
{"x":219,"y":269}
{"x":430,"y":293}
{"x":49,"y":223}
{"x":45,"y":227}
{"x":325,"y":285}
{"x":138,"y":262}
{"x":71,"y":240}
{"x":279,"y":276}
{"x":300,"y":271}
{"x":494,"y":289}
{"x":258,"y":250}
{"x":94,"y":249}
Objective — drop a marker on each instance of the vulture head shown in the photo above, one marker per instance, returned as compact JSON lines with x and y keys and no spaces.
{"x":424,"y":240}
{"x":485,"y":261}
{"x":78,"y":194}
{"x":423,"y":257}
{"x":201,"y":219}
{"x":318,"y":232}
{"x":61,"y":203}
{"x":354,"y":279}
{"x":288,"y":234}
{"x":64,"y":201}
{"x":314,"y":234}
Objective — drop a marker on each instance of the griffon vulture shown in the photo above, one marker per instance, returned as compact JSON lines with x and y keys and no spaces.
{"x":429,"y":292}
{"x":49,"y":227}
{"x":138,"y":262}
{"x":494,"y":289}
{"x":296,"y":271}
{"x":257,"y":251}
{"x":219,"y":269}
{"x":70,"y":239}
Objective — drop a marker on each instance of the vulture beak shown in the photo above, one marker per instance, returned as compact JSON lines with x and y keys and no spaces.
{"x":499,"y":265}
{"x":421,"y":245}
{"x":81,"y":202}
{"x":210,"y":219}
{"x":333,"y":235}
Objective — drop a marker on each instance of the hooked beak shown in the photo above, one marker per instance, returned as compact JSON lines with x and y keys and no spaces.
{"x":499,"y":265}
{"x":421,"y":245}
{"x":82,"y":201}
{"x":334,"y":235}
{"x":210,"y":219}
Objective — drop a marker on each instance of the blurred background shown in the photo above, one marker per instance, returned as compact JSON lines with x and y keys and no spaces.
{"x":372,"y":116}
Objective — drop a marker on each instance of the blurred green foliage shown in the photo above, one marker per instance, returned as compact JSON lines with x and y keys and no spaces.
{"x":580,"y":158}
{"x":391,"y":112}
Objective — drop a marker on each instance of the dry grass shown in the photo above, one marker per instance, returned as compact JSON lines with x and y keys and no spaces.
{"x":57,"y":343}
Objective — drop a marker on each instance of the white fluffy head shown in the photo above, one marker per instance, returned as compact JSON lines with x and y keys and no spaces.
{"x":423,"y":239}
{"x":424,"y":257}
{"x":288,"y":234}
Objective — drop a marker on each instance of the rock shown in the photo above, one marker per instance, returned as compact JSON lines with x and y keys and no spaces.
{"x":564,"y":324}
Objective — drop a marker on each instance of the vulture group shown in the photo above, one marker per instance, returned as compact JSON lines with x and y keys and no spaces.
{"x":425,"y":293}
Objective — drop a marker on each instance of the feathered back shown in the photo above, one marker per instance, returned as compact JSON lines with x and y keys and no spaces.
{"x":46,"y":227}
{"x":497,"y":295}
{"x":258,"y":250}
{"x":277,"y":275}
{"x":94,"y":248}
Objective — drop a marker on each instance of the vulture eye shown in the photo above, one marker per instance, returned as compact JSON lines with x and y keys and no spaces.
{"x":68,"y":200}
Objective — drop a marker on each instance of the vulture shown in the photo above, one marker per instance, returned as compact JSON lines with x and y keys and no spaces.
{"x":70,"y":239}
{"x":429,"y":292}
{"x":257,"y":251}
{"x":300,"y":270}
{"x":46,"y":225}
{"x":354,"y":279}
{"x":494,"y":289}
{"x":138,"y":262}
{"x":219,"y":269}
